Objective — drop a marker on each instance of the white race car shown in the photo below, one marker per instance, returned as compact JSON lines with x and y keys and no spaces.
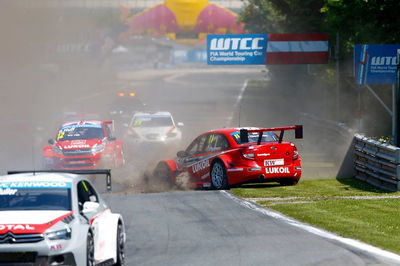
{"x":157,"y":128}
{"x":57,"y":218}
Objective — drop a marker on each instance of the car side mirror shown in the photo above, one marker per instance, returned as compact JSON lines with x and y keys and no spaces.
{"x":182,"y":154}
{"x":90,"y":207}
{"x":180,"y":124}
{"x":51,"y":141}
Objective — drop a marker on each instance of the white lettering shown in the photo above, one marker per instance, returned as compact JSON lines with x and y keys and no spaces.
{"x":8,"y":191}
{"x":383,"y":60}
{"x":16,"y":227}
{"x":277,"y":170}
{"x":200,"y":166}
{"x":236,"y":44}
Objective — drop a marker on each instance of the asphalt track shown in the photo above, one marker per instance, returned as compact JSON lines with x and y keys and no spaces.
{"x":207,"y":227}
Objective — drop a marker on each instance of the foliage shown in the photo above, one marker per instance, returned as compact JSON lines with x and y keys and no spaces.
{"x":274,"y":16}
{"x":356,"y":21}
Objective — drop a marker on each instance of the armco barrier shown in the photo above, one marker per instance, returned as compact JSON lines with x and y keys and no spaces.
{"x":377,"y":163}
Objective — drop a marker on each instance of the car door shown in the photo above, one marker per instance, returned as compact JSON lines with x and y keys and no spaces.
{"x":197,"y":162}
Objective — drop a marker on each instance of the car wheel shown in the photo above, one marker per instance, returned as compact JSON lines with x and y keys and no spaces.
{"x":288,"y":182}
{"x":219,"y":178}
{"x":163,"y":174}
{"x":120,"y":246}
{"x":90,"y":250}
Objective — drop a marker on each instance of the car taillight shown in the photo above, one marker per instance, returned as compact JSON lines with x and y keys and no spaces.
{"x":248,"y":154}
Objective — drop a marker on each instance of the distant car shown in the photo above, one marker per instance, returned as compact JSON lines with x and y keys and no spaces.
{"x":57,"y":219}
{"x":87,"y":144}
{"x":156,"y":127}
{"x":222,"y":158}
{"x":124,"y":106}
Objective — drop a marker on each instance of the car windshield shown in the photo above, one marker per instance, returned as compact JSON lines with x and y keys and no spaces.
{"x":253,"y":137}
{"x":35,"y":196}
{"x":80,"y":132}
{"x":152,"y":121}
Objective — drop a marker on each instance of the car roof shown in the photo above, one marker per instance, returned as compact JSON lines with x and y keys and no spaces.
{"x":228,"y":130}
{"x":39,"y":177}
{"x":163,"y":114}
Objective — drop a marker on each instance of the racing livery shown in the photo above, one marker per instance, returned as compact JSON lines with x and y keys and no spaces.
{"x":156,"y":127}
{"x":57,"y":219}
{"x":221,"y":158}
{"x":86,"y":144}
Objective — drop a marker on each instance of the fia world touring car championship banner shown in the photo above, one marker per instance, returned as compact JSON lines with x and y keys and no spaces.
{"x":375,"y":63}
{"x":261,"y":49}
{"x":243,"y":49}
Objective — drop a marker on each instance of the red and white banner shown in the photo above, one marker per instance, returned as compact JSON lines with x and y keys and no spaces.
{"x":297,"y":48}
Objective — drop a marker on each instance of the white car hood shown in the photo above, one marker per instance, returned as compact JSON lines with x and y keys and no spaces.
{"x":154,"y":130}
{"x":30,"y":217}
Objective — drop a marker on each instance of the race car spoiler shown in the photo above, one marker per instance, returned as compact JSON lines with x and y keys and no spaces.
{"x":106,"y":172}
{"x":244,"y":133}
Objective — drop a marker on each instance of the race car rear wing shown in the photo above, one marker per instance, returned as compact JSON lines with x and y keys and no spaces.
{"x":244,"y":133}
{"x":106,"y":172}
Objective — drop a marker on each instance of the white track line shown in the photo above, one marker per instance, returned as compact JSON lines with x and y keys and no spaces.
{"x":325,"y":234}
{"x":238,"y":100}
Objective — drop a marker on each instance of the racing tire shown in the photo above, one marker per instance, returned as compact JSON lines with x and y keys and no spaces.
{"x":120,"y":246}
{"x":90,"y":250}
{"x":163,"y":174}
{"x":288,"y":182}
{"x":219,"y":179}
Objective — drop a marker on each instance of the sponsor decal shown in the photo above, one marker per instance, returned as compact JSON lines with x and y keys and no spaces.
{"x":200,"y":166}
{"x":76,"y":146}
{"x":8,"y":191}
{"x":33,"y":184}
{"x":56,"y":247}
{"x":274,"y":162}
{"x":264,"y":154}
{"x":26,"y":227}
{"x":277,"y":170}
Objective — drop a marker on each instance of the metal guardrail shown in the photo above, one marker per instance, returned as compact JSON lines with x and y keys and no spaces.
{"x":377,"y":163}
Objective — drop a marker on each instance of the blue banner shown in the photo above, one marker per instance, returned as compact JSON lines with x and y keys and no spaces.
{"x":375,"y":63}
{"x":238,"y":49}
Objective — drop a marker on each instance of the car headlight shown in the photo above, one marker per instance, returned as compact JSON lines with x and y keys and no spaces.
{"x":97,"y":148}
{"x":60,"y":234}
{"x":57,"y":150}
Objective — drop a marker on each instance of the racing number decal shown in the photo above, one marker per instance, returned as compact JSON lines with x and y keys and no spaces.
{"x":211,"y":138}
{"x":137,"y":122}
{"x":236,"y":136}
{"x":60,"y":134}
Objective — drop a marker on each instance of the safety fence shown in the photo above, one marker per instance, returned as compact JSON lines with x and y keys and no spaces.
{"x":377,"y":163}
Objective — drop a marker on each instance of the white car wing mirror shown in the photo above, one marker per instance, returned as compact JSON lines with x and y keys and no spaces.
{"x":90,"y":206}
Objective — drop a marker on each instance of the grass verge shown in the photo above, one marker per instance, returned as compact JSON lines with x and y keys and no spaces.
{"x":328,"y":204}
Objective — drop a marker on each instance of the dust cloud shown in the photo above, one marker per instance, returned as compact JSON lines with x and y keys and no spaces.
{"x":56,"y":60}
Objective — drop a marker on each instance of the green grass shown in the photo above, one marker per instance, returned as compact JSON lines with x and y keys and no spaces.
{"x":373,"y":221}
{"x":312,"y":188}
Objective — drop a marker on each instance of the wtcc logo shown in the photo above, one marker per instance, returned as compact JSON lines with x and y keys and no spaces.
{"x":242,"y":49}
{"x":257,"y":43}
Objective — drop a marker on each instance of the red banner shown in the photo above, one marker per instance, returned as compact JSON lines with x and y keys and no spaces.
{"x":297,"y":48}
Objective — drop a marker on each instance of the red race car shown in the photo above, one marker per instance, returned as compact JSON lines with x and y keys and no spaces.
{"x":221,"y":158}
{"x":84,"y":145}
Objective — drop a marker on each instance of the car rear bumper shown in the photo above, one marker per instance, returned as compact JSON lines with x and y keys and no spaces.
{"x":239,"y":175}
